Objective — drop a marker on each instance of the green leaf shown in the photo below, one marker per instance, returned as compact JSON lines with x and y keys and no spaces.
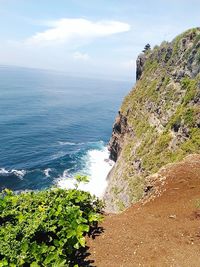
{"x":50,"y":258}
{"x":85,"y":228}
{"x":52,"y":248}
{"x":2,"y":203}
{"x":3,"y":262}
{"x":82,"y":241}
{"x":8,"y":192}
{"x":21,"y":261}
{"x":60,"y":263}
{"x":95,"y":217}
{"x":34,"y":264}
{"x":43,"y":248}
{"x":24,"y":246}
{"x":56,"y":242}
{"x":77,"y":246}
{"x":71,"y":233}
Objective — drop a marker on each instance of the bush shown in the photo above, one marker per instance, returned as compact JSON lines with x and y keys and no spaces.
{"x":45,"y":228}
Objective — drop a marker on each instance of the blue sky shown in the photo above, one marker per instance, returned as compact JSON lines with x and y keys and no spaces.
{"x":89,"y":38}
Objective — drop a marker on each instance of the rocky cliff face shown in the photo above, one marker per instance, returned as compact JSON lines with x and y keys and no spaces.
{"x":159,"y":121}
{"x":140,"y":62}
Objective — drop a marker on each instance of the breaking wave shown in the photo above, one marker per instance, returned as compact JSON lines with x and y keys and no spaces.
{"x":97,"y":166}
{"x":18,"y":173}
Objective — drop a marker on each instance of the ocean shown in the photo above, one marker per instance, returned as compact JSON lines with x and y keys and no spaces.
{"x":53,"y":126}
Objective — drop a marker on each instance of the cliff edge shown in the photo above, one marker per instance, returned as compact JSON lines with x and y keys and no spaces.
{"x":159,"y":120}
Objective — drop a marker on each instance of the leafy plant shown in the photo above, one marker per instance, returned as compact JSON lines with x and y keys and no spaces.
{"x":80,"y":179}
{"x":45,"y":228}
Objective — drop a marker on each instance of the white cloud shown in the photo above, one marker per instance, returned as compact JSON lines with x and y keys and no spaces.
{"x":81,"y":56}
{"x":66,"y":30}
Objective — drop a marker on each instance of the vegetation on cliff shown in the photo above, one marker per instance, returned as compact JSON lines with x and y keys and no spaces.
{"x":159,"y":120}
{"x":45,"y":228}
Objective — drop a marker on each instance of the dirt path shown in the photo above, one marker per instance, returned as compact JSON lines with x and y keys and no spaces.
{"x":164,"y":231}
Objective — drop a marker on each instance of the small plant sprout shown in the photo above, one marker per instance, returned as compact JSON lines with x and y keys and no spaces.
{"x":81,"y":179}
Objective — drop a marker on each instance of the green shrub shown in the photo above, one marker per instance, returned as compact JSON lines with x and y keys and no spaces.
{"x":191,"y":87}
{"x":45,"y":228}
{"x":189,"y":117}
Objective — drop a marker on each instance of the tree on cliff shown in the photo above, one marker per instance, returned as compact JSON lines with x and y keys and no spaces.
{"x":146,"y":48}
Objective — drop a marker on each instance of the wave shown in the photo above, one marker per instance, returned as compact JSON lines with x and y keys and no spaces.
{"x":58,"y":155}
{"x":97,"y":167}
{"x":66,"y":181}
{"x":18,"y":173}
{"x":63,"y":143}
{"x":68,"y":143}
{"x":90,"y":159}
{"x":3,"y":171}
{"x":100,"y":142}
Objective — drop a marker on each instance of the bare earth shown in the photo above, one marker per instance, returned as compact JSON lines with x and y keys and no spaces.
{"x":163,"y":230}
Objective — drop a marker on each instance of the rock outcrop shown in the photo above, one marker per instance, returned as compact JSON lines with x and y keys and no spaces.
{"x":159,"y":121}
{"x":140,"y":65}
{"x":119,"y":129}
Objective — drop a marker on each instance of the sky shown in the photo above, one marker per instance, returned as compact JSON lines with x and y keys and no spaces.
{"x":92,"y":38}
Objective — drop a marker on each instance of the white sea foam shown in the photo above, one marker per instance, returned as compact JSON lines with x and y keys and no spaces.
{"x":66,"y":181}
{"x":66,"y":143}
{"x":3,"y":171}
{"x":63,"y":143}
{"x":18,"y":173}
{"x":47,"y":171}
{"x":97,"y":168}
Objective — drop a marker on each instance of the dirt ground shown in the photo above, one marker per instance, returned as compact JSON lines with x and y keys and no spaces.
{"x":163,"y":230}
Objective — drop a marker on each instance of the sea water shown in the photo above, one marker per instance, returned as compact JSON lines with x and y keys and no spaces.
{"x":53,"y":126}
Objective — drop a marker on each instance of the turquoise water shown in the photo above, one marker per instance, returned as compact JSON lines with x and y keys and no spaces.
{"x":50,"y":124}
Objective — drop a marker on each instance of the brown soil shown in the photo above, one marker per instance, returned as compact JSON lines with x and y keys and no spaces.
{"x":163,"y":230}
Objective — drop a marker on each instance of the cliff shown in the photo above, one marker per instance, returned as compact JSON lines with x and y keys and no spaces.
{"x":159,"y":121}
